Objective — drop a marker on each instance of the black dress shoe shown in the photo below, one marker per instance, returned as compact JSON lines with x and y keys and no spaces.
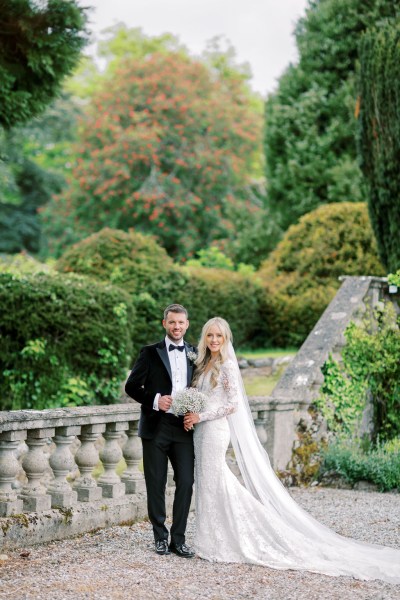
{"x":182,"y":550}
{"x":162,"y":547}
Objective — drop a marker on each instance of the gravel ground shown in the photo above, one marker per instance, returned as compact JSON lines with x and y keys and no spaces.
{"x":120,"y":563}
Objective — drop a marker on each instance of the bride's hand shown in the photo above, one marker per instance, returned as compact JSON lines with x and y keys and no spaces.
{"x":189,"y":420}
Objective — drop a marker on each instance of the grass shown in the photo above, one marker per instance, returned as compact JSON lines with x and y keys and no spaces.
{"x":262,"y":385}
{"x":266,"y":352}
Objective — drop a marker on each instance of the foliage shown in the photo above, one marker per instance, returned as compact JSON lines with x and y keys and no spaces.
{"x":136,"y":263}
{"x":164,"y":148}
{"x":64,"y":341}
{"x":394,"y":278}
{"x":236,"y":297}
{"x":370,"y":363}
{"x":342,"y":399}
{"x":379,"y":465}
{"x":301,"y":275}
{"x":39,"y":45}
{"x":34,"y":161}
{"x":211,"y":257}
{"x":22,"y":264}
{"x":310,"y":143}
{"x":379,"y":135}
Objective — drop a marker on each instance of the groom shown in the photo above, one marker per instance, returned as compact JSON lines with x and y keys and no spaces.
{"x":161,"y":370}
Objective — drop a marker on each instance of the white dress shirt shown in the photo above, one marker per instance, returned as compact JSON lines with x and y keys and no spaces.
{"x":178,"y":363}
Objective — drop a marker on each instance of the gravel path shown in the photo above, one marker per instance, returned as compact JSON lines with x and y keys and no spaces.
{"x":119,"y":563}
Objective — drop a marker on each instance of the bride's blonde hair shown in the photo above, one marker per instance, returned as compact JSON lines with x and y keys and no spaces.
{"x":204,"y":353}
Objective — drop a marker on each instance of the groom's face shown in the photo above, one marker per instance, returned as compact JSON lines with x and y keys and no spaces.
{"x":175,"y":325}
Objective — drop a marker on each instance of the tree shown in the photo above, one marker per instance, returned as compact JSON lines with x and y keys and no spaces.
{"x":379,"y":136}
{"x":163,"y":148}
{"x":310,"y":139}
{"x":39,"y":45}
{"x":34,"y":161}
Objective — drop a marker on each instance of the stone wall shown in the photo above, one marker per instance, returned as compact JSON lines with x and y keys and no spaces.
{"x":300,"y":383}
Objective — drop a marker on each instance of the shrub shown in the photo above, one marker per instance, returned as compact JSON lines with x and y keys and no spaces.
{"x":139,"y":265}
{"x":379,"y":465}
{"x":301,"y":274}
{"x":64,"y":340}
{"x":22,"y":264}
{"x":136,"y":263}
{"x":234,"y":296}
{"x":370,"y":362}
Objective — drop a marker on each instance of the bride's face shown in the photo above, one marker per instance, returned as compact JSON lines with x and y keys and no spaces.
{"x":214,"y":340}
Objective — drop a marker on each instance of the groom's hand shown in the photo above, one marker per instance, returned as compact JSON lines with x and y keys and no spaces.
{"x":164,"y":402}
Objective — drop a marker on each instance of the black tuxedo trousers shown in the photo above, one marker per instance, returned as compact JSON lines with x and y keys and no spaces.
{"x":163,"y":437}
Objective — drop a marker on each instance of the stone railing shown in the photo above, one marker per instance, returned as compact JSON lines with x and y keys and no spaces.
{"x":40,"y":501}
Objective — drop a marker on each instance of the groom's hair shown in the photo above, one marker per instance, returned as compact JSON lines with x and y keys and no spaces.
{"x":176,"y":308}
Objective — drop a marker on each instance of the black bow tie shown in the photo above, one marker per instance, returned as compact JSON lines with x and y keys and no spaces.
{"x":172,"y":347}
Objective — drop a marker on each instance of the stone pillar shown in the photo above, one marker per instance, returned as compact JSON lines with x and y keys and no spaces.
{"x":87,"y":458}
{"x":61,"y":463}
{"x":9,"y":467}
{"x":132,"y":451}
{"x":110,"y":456}
{"x":34,"y":464}
{"x":260,"y":425}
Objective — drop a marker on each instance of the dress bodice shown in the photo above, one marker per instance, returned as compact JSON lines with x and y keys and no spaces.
{"x":222,"y":399}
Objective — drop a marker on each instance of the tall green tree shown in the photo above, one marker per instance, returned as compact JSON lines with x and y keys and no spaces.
{"x":310,"y":139}
{"x":35,"y":160}
{"x":379,"y":136}
{"x":40,"y":43}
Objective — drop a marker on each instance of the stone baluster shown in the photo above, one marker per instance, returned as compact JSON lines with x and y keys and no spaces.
{"x":110,"y":456}
{"x":132,"y":452}
{"x":260,"y":424}
{"x":61,"y":463}
{"x":9,"y":468}
{"x":87,"y":458}
{"x":34,"y":464}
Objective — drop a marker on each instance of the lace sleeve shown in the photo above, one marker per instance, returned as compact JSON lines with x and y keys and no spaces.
{"x":228,"y":395}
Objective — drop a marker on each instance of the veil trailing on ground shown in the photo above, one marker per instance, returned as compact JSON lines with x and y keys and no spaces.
{"x":329,"y":552}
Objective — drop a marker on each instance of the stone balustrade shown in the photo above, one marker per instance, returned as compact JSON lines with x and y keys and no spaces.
{"x":50,"y":503}
{"x":63,"y":426}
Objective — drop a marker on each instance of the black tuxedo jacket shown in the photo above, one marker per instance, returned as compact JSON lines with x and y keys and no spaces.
{"x":151,"y":374}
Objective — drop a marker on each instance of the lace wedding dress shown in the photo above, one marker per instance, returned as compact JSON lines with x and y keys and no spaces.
{"x":261,"y":523}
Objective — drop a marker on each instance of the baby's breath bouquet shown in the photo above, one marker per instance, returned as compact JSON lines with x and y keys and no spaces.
{"x":188,"y":400}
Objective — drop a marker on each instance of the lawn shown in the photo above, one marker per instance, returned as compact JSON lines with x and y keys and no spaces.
{"x":266,"y":352}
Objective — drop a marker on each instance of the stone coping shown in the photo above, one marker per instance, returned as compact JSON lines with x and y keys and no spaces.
{"x":15,"y":420}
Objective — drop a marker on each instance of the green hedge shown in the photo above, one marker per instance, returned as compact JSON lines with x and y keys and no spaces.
{"x":136,"y":263}
{"x":64,"y":340}
{"x":140,"y":266}
{"x":301,"y":275}
{"x":236,"y":297}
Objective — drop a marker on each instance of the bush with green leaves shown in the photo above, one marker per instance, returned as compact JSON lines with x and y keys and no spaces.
{"x":370,"y":363}
{"x":235,"y":296}
{"x":379,"y":465}
{"x":136,"y":263}
{"x":301,"y":274}
{"x":64,"y":341}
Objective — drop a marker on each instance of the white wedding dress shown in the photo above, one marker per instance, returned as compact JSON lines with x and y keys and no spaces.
{"x":261,"y":523}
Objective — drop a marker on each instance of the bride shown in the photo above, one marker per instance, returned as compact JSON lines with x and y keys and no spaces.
{"x":259,"y":523}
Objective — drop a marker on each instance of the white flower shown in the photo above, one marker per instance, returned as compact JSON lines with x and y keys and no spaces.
{"x":192,"y":355}
{"x":188,"y":400}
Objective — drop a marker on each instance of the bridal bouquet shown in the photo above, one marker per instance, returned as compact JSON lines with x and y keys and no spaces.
{"x":188,"y":400}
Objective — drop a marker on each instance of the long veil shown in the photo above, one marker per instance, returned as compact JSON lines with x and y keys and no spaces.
{"x":330,"y":552}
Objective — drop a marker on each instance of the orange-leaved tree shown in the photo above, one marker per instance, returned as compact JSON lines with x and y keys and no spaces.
{"x":166,"y":147}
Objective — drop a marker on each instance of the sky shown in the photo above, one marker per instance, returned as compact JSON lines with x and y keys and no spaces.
{"x":261,"y":31}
